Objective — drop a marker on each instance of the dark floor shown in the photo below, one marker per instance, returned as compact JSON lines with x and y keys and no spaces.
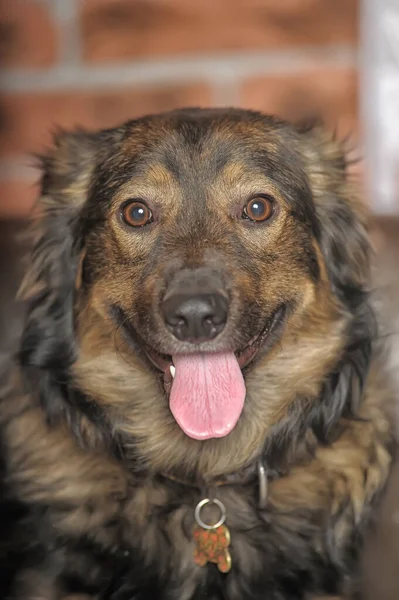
{"x":381,"y":561}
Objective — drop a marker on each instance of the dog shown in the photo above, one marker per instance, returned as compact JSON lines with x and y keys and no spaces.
{"x":199,"y":407}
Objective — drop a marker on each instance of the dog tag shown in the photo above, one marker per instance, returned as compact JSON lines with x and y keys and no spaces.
{"x":212,"y":546}
{"x":212,"y":541}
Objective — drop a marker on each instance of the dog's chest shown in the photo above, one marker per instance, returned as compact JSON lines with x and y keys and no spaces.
{"x":181,"y":534}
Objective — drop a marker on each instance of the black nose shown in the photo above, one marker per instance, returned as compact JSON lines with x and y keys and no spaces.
{"x":195,"y":318}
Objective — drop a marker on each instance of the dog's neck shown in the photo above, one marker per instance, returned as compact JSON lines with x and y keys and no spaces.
{"x":254,"y":475}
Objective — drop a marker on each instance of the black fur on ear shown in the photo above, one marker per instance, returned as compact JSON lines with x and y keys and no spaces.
{"x":343,"y":232}
{"x":48,"y":287}
{"x":344,"y":242}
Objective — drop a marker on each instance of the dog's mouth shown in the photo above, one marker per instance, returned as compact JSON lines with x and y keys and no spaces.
{"x":207,"y":389}
{"x":244,"y":356}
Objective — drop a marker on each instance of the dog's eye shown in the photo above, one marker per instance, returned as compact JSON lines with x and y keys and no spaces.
{"x":259,"y":209}
{"x":136,"y":214}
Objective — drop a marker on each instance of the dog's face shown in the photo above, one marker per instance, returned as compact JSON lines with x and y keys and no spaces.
{"x":215,"y":257}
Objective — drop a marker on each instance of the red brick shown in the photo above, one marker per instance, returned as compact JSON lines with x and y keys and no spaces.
{"x":329,"y":93}
{"x":29,"y":119}
{"x":16,"y":198}
{"x":28,"y":37}
{"x":121,"y":29}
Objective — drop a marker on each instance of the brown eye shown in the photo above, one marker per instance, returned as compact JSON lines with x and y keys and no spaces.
{"x":136,"y":213}
{"x":259,"y":209}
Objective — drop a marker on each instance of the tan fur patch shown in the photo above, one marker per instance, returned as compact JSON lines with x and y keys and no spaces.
{"x":47,"y":466}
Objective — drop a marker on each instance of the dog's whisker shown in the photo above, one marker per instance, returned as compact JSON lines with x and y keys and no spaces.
{"x":282,"y":349}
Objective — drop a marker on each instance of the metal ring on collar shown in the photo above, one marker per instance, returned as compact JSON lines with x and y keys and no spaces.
{"x":200,"y":506}
{"x":262,"y":477}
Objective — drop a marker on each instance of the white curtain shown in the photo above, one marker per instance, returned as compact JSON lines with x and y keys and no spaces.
{"x":379,"y":62}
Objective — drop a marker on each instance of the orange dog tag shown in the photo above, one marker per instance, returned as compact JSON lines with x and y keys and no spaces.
{"x":212,"y":546}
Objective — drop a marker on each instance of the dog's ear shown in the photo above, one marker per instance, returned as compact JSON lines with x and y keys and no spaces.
{"x":344,"y":241}
{"x":48,"y":287}
{"x":342,"y":218}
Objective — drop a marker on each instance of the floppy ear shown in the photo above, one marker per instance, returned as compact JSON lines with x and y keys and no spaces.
{"x":344,"y":242}
{"x":342,"y":217}
{"x":48,"y":287}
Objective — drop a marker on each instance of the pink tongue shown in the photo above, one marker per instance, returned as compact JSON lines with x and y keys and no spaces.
{"x":207,"y":395}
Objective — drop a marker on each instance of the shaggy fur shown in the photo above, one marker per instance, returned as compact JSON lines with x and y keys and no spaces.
{"x":99,"y":482}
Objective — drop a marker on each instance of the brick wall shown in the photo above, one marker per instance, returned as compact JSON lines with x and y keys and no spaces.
{"x":98,"y":62}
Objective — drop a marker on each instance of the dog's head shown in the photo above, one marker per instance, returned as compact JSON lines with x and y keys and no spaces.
{"x":197,"y":278}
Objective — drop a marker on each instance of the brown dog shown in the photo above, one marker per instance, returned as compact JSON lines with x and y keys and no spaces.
{"x":199,"y":409}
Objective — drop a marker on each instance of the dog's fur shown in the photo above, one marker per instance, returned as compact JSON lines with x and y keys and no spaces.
{"x":100,"y":483}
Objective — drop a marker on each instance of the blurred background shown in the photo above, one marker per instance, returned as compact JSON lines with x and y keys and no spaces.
{"x":96,"y":63}
{"x":99,"y":62}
